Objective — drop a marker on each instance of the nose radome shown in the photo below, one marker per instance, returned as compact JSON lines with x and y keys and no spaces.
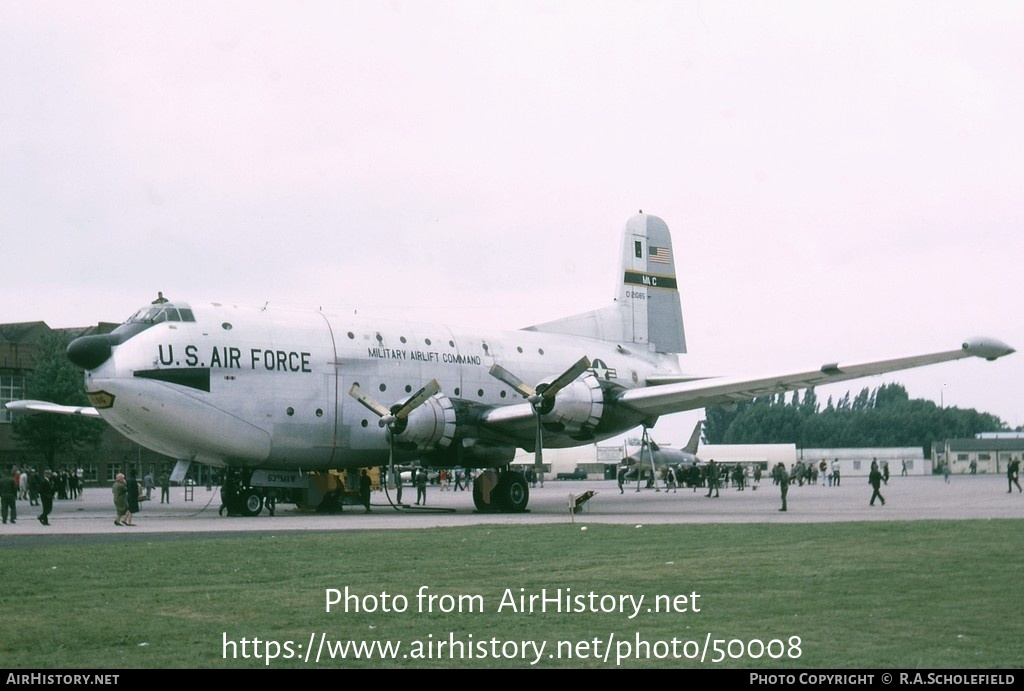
{"x":89,"y":352}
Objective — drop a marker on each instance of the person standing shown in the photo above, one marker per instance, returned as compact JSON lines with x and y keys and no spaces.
{"x":782,"y":477}
{"x":364,"y":489}
{"x":835,"y":472}
{"x":9,"y":487}
{"x":120,"y":490}
{"x":945,"y":471}
{"x":147,"y":482}
{"x":33,"y":487}
{"x":133,"y":493}
{"x":1013,"y":474}
{"x":165,"y":488}
{"x":421,"y":487}
{"x":712,"y":478}
{"x":46,"y":490}
{"x":875,"y":480}
{"x":396,"y":477}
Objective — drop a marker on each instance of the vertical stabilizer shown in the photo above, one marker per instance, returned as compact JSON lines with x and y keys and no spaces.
{"x":694,"y":443}
{"x":646,"y":309}
{"x":648,"y":292}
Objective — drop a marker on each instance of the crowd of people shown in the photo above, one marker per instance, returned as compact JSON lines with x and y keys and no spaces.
{"x":38,"y":489}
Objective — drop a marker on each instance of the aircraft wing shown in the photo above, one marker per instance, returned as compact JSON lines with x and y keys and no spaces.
{"x":678,"y":397}
{"x":55,"y":408}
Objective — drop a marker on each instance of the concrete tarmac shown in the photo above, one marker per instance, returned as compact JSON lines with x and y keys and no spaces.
{"x":907,"y":499}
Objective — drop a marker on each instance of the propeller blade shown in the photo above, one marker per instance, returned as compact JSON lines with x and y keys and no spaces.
{"x":567,"y":377}
{"x":367,"y":400}
{"x":502,"y":374}
{"x":418,"y":399}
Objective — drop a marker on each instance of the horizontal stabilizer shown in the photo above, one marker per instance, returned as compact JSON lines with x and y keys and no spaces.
{"x":54,"y":408}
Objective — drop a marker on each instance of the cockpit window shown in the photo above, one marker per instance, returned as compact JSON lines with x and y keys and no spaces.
{"x":149,"y":316}
{"x":154,"y":314}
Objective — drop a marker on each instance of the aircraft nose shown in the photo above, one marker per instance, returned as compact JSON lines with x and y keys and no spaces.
{"x":89,"y":352}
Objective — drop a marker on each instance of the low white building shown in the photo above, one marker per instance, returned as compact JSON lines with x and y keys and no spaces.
{"x":768,"y":455}
{"x":857,"y":461}
{"x":989,"y":454}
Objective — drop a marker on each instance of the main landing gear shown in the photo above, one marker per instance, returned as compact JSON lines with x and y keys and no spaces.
{"x":505,"y":491}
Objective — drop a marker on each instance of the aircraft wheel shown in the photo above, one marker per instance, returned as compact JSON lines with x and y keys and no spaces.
{"x":251,"y":503}
{"x":513,"y":492}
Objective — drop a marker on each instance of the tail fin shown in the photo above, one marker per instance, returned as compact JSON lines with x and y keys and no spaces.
{"x":691,"y":446}
{"x":646,"y":309}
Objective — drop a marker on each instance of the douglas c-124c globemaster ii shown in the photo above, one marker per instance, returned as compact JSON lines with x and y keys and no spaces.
{"x":266,"y":392}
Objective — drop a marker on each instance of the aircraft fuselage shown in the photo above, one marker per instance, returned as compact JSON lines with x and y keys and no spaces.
{"x":265,"y":387}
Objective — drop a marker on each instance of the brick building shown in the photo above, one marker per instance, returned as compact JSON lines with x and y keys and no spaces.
{"x":19,"y":348}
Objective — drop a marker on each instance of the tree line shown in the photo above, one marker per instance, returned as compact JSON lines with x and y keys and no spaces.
{"x":885,"y":416}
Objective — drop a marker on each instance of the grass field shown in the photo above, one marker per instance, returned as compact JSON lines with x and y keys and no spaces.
{"x":926,"y":594}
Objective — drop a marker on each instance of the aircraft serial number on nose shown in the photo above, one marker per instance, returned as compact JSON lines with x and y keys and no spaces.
{"x":231,"y":357}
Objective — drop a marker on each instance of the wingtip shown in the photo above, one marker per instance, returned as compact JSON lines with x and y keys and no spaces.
{"x":988,"y":348}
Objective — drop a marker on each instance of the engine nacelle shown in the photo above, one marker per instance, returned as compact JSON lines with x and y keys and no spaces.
{"x":577,"y":408}
{"x":429,"y":426}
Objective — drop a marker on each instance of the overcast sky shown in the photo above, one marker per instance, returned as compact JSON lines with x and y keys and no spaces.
{"x":844,"y":181}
